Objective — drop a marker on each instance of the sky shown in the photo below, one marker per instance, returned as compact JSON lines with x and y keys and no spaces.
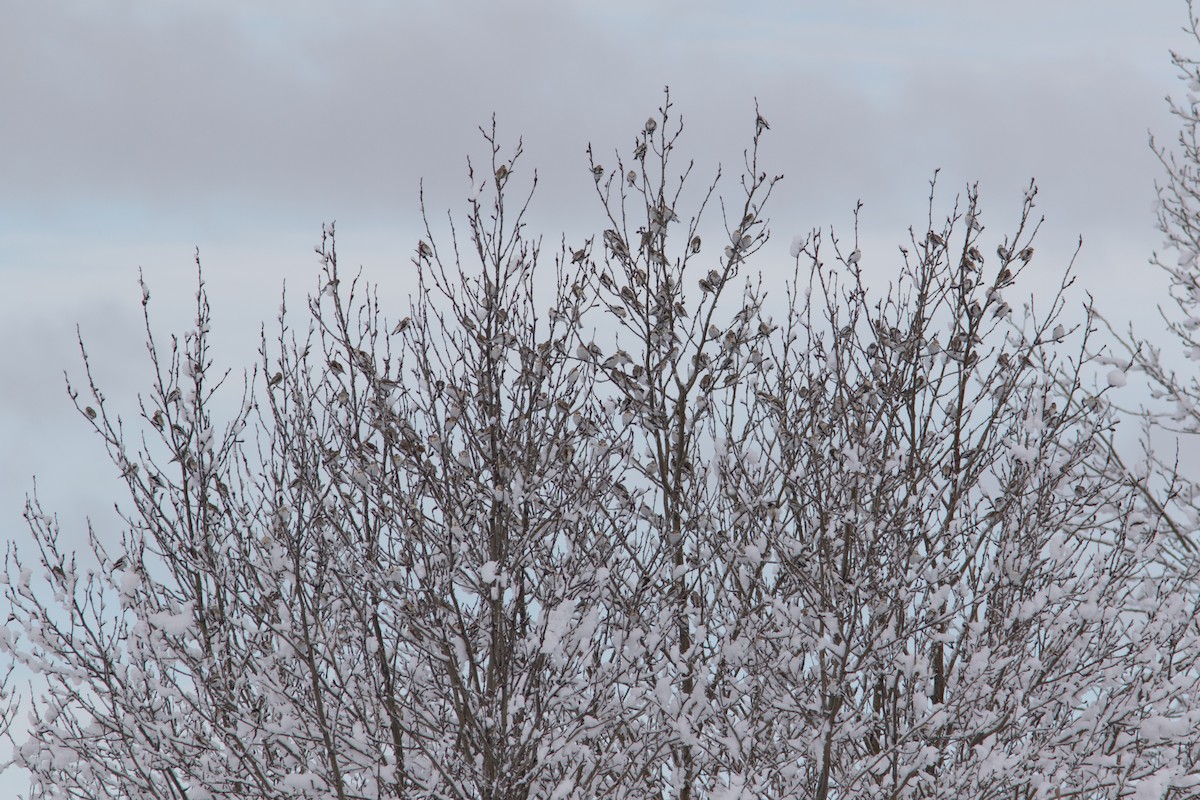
{"x":137,"y":132}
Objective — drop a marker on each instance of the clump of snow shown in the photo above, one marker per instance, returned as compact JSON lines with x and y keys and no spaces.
{"x":557,"y":622}
{"x":173,"y":624}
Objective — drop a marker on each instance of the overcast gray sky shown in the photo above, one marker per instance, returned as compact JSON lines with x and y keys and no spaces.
{"x":136,"y":131}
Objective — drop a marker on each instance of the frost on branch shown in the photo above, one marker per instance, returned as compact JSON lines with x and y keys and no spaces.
{"x":601,"y":524}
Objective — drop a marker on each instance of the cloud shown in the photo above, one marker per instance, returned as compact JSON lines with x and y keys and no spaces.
{"x":173,"y":106}
{"x":138,"y":131}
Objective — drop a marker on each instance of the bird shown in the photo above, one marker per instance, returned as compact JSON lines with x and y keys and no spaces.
{"x":651,"y":125}
{"x":401,"y":326}
{"x":760,"y":124}
{"x":615,"y":243}
{"x":1059,"y":331}
{"x":618,"y":359}
{"x":695,"y":244}
{"x":631,"y":176}
{"x":597,"y":172}
{"x":854,"y":257}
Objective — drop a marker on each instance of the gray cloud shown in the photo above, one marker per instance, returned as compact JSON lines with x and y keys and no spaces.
{"x":140,"y":130}
{"x":177,"y":107}
{"x":137,"y":131}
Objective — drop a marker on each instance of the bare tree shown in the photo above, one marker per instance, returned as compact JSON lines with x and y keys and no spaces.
{"x":1166,"y":486}
{"x":617,"y":531}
